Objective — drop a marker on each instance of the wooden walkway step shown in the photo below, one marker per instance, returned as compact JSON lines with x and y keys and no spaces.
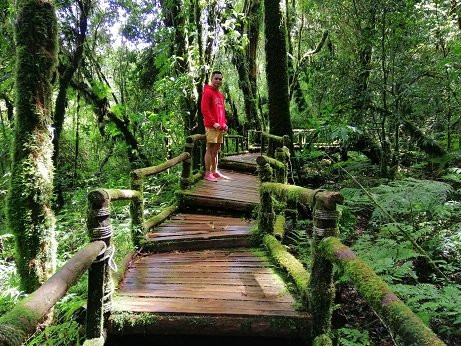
{"x":192,"y":231}
{"x":214,"y":292}
{"x":239,"y":193}
{"x":234,"y":162}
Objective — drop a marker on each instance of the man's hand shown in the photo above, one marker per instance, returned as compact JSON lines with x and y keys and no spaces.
{"x":225,"y":128}
{"x":216,"y":126}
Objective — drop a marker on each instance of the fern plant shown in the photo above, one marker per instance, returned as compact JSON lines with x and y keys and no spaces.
{"x":391,"y":260}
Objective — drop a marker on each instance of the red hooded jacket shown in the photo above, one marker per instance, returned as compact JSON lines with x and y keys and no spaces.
{"x":213,"y":107}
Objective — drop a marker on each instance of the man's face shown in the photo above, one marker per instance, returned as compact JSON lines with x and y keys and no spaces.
{"x":216,"y":80}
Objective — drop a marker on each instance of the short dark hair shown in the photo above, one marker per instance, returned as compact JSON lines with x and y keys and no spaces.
{"x":215,"y":72}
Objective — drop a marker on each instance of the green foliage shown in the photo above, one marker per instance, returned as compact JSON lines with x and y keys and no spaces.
{"x":352,"y":337}
{"x":390,"y":259}
{"x":439,"y":307}
{"x":63,"y":334}
{"x":408,"y":197}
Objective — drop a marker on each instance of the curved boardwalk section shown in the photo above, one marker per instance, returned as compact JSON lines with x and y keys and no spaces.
{"x":227,"y":288}
{"x":233,"y":291}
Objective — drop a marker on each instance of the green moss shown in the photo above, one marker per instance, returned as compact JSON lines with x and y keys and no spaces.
{"x":288,"y":262}
{"x":125,"y":319}
{"x":29,"y":213}
{"x":266,"y":213}
{"x":10,"y":336}
{"x":322,"y":340}
{"x":279,"y":226}
{"x":18,"y":323}
{"x":157,"y":219}
{"x":290,"y":193}
{"x":265,"y":173}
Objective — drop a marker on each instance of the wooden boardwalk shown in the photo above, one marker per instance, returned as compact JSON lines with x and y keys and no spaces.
{"x":227,"y":288}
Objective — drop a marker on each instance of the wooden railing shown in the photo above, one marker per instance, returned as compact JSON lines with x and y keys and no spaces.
{"x":238,"y":145}
{"x":22,"y":320}
{"x":264,"y":139}
{"x":97,"y":256}
{"x":317,"y":286}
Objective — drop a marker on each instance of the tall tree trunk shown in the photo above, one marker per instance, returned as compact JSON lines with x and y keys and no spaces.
{"x":67,"y":72}
{"x":254,"y":15}
{"x":29,"y":198}
{"x":277,"y":70}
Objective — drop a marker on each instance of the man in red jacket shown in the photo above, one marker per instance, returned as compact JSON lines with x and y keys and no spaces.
{"x":214,"y":119}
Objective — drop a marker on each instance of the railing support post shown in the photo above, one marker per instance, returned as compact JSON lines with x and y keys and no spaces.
{"x":187,"y":164}
{"x":321,"y":287}
{"x":282,"y":155}
{"x":137,"y":210}
{"x":99,"y":285}
{"x":266,"y":215}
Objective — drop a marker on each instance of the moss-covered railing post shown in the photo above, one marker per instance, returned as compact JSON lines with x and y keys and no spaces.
{"x":266,"y":211}
{"x":137,"y":208}
{"x":99,"y":287}
{"x":282,"y":155}
{"x":187,"y":164}
{"x":321,"y":287}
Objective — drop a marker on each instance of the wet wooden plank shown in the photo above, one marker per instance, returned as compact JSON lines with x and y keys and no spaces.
{"x":241,"y":282}
{"x":202,"y":306}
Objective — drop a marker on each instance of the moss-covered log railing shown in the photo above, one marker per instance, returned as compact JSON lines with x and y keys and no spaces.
{"x":279,"y":166}
{"x":401,"y":321}
{"x":317,"y":286}
{"x":17,"y":324}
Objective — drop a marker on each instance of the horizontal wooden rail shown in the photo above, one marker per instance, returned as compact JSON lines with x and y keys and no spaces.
{"x":23,"y":319}
{"x":160,"y":217}
{"x":397,"y":316}
{"x":288,"y":262}
{"x":145,"y":172}
{"x":115,"y":194}
{"x":195,"y":138}
{"x":273,"y":137}
{"x":263,"y":159}
{"x":301,"y":194}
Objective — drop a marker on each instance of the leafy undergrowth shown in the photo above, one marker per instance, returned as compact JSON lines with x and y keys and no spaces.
{"x":71,"y":233}
{"x":382,"y":221}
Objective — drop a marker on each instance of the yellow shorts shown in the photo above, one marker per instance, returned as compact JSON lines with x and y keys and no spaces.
{"x":214,"y":136}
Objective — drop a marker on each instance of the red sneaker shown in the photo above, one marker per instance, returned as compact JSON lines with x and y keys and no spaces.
{"x":210,"y":177}
{"x":219,"y":175}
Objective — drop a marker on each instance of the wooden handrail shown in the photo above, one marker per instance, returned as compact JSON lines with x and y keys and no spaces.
{"x":23,"y":319}
{"x":274,"y":163}
{"x":302,"y":194}
{"x":396,"y":315}
{"x":195,"y":138}
{"x":145,"y":172}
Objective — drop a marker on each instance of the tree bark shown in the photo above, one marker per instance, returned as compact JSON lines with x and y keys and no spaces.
{"x":277,"y":71}
{"x":29,"y":198}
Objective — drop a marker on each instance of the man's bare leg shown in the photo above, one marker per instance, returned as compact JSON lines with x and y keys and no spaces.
{"x":214,"y":156}
{"x":208,"y":158}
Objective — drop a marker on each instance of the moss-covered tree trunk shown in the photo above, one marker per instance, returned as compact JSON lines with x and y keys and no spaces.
{"x":29,"y":199}
{"x":277,"y":70}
